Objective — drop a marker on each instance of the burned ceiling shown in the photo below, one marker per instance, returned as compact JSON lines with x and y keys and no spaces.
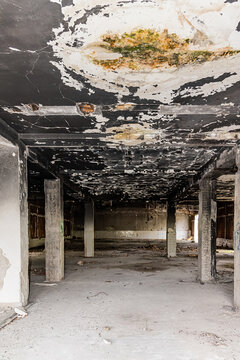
{"x":123,"y":99}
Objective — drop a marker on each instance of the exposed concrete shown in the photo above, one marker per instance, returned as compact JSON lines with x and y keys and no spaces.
{"x":131,"y":219}
{"x":89,"y":229}
{"x":7,"y":315}
{"x":171,"y":229}
{"x":13,"y":225}
{"x":128,"y":234}
{"x":141,"y":304}
{"x":69,"y":110}
{"x":207,"y":230}
{"x":123,"y":223}
{"x":54,"y":244}
{"x":237,"y":234}
{"x":133,"y":223}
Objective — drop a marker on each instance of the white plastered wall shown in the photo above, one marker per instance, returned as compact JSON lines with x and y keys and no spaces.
{"x":13,"y":226}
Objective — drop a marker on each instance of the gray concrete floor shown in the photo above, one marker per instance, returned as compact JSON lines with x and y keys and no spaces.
{"x":6,"y":313}
{"x":130,"y":305}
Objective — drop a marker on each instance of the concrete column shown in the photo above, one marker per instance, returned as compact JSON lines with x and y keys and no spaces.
{"x":237,"y":234}
{"x":89,"y":229}
{"x":196,"y":228}
{"x":54,"y":229}
{"x":14,"y":281}
{"x":207,"y":230}
{"x":171,"y":229}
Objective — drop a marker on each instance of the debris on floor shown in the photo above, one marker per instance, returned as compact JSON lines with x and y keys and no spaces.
{"x":99,"y":293}
{"x":107,"y":342}
{"x":213,"y":338}
{"x":107,"y":328}
{"x":20,"y":311}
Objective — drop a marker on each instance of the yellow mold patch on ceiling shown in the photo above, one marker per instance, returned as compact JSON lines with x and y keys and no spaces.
{"x":133,"y":134}
{"x":152,"y":49}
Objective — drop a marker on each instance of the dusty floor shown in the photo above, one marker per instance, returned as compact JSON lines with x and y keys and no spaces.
{"x":130,"y":305}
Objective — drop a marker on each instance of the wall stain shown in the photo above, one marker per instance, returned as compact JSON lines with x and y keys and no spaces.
{"x":4,"y":265}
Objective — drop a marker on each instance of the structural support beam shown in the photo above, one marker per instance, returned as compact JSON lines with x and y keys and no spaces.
{"x":237,"y":234}
{"x":63,"y":140}
{"x":171,"y":229}
{"x":207,"y":230}
{"x":224,"y":164}
{"x":54,"y":228}
{"x":78,"y":109}
{"x":89,"y":229}
{"x":14,"y":282}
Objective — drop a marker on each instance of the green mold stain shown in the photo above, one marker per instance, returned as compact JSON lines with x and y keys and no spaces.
{"x":153,"y":49}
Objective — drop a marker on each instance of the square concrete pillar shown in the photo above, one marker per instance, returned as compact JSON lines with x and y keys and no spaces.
{"x":237,"y":234}
{"x":14,"y":281}
{"x":207,"y":230}
{"x":54,"y":229}
{"x":89,"y":229}
{"x":171,"y":229}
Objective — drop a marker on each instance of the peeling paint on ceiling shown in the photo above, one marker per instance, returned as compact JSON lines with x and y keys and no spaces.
{"x":138,"y":130}
{"x":145,"y":49}
{"x":77,"y":42}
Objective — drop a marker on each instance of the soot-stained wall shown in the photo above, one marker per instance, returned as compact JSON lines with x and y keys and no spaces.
{"x":133,"y":223}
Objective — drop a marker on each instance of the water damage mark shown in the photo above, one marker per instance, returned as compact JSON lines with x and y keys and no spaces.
{"x":133,"y":134}
{"x":33,"y":107}
{"x":4,"y":265}
{"x":85,"y":108}
{"x":140,"y":54}
{"x":147,"y":109}
{"x":143,"y":48}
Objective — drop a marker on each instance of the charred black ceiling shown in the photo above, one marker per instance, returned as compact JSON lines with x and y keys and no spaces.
{"x":110,"y":117}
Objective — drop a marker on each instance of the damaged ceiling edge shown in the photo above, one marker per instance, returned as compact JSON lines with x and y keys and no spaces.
{"x":91,"y":109}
